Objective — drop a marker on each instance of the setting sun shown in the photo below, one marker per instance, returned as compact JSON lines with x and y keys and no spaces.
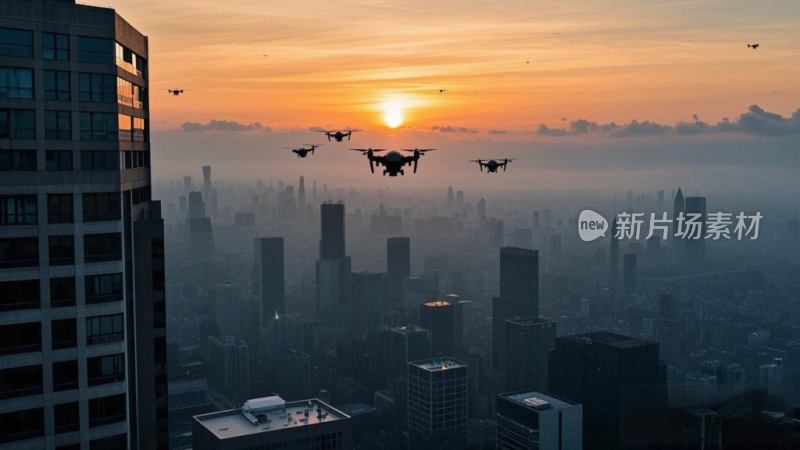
{"x":393,"y":118}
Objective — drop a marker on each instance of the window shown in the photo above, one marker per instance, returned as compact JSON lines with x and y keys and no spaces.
{"x":102,"y":247}
{"x":64,"y":333}
{"x":59,"y":208}
{"x":57,"y":125}
{"x":138,"y":129}
{"x":65,"y":375}
{"x":18,"y":160}
{"x":101,"y":207}
{"x":67,"y":417}
{"x":141,"y":195}
{"x":95,"y":50}
{"x":97,"y":87}
{"x":119,"y":442}
{"x":104,"y":329}
{"x":105,"y":410}
{"x":127,"y":59}
{"x":55,"y":46}
{"x":20,"y":338}
{"x":21,"y":382}
{"x":106,"y":369}
{"x":19,"y":425}
{"x":16,"y":43}
{"x":17,"y":124}
{"x":16,"y":83}
{"x":18,"y":210}
{"x":58,"y":160}
{"x":99,"y":160}
{"x":124,"y":126}
{"x":19,"y":252}
{"x":99,"y":127}
{"x":103,"y":288}
{"x":62,"y":250}
{"x":56,"y":85}
{"x":19,"y":295}
{"x":136,"y":159}
{"x":62,"y":292}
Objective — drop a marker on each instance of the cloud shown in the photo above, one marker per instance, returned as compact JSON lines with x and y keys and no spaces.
{"x":220,"y":125}
{"x":315,"y":129}
{"x":759,"y":122}
{"x":449,"y":129}
{"x":636,"y":129}
{"x":498,"y":132}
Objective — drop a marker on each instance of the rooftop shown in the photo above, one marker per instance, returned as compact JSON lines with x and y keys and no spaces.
{"x":438,"y":364}
{"x":538,"y":400}
{"x":609,"y":339}
{"x":263,"y":415}
{"x":437,"y":303}
{"x":530,"y":321}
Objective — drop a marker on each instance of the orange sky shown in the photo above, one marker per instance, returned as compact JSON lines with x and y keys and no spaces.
{"x":339,"y":64}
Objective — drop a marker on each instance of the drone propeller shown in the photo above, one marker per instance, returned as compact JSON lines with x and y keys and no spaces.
{"x":420,"y":150}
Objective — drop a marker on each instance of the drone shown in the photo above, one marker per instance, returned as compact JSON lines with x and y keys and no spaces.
{"x":392,"y":161}
{"x":338,"y":135}
{"x":492,"y":165}
{"x":175,"y":92}
{"x":303,"y":152}
{"x":753,"y":46}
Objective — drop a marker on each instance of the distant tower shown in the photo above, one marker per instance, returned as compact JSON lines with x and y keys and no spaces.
{"x":187,"y":184}
{"x":231,"y":364}
{"x":460,"y":200}
{"x":314,"y":197}
{"x":197,"y":207}
{"x":301,"y":195}
{"x":450,"y":198}
{"x":519,"y":295}
{"x":528,"y":342}
{"x":482,"y":209}
{"x":227,"y":301}
{"x":367,"y":300}
{"x":679,"y":207}
{"x":445,"y":322}
{"x":695,"y":249}
{"x":629,"y":272}
{"x":270,"y":284}
{"x":207,"y":177}
{"x":331,"y":245}
{"x":398,"y":263}
{"x":431,"y":416}
{"x":614,"y":261}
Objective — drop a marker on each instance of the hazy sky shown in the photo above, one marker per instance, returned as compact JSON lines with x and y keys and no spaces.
{"x":536,"y":76}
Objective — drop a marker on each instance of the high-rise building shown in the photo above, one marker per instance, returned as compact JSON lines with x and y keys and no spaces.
{"x":460,"y":200}
{"x":438,"y":400}
{"x":770,"y":375}
{"x":408,"y":344}
{"x":331,"y":244}
{"x":197,"y":207}
{"x":230,"y":366}
{"x":519,"y":295}
{"x":528,"y":344}
{"x":695,"y":247}
{"x":273,"y":423}
{"x":398,"y":263}
{"x":301,"y":195}
{"x":83,"y":346}
{"x":294,"y":374}
{"x":629,"y":272}
{"x":533,"y":419}
{"x":227,"y":308}
{"x":187,"y":184}
{"x":334,"y":289}
{"x":367,"y":300}
{"x":678,"y":209}
{"x":270,"y":277}
{"x":206,"y":180}
{"x":620,"y":383}
{"x":482,"y":209}
{"x":451,"y":201}
{"x":445,"y":322}
{"x":614,"y":258}
{"x":495,"y":233}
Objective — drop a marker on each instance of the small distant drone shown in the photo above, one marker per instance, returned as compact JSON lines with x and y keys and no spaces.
{"x":175,"y":92}
{"x":338,"y":135}
{"x":753,"y":46}
{"x":492,"y":165}
{"x":303,"y":152}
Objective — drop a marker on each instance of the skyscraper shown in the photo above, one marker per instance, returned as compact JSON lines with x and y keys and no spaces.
{"x":398,"y":263}
{"x":451,"y":201}
{"x":331,"y":244}
{"x":519,"y":295}
{"x":227,"y":307}
{"x":535,"y":420}
{"x":443,"y":320}
{"x":82,"y":344}
{"x":230,"y":366}
{"x":678,"y":209}
{"x":367,"y":300}
{"x":270,"y":277}
{"x":301,"y":196}
{"x":528,"y":344}
{"x":629,"y":272}
{"x":620,"y":383}
{"x":408,"y":344}
{"x":197,"y":207}
{"x":695,"y":248}
{"x":482,"y":209}
{"x":437,"y":400}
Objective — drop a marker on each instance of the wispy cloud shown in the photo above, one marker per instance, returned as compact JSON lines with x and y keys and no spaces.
{"x":222,"y":125}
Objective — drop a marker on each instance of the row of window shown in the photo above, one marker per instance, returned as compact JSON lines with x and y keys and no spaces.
{"x":24,"y":252}
{"x":26,"y":337}
{"x":94,"y":126}
{"x":29,"y":423}
{"x":22,"y":209}
{"x":61,"y":160}
{"x":19,"y":43}
{"x":92,"y":87}
{"x":25,"y":294}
